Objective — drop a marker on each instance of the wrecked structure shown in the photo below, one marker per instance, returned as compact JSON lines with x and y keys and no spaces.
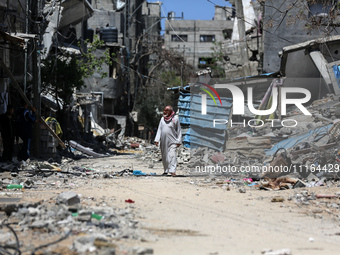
{"x":194,"y":39}
{"x":244,"y":51}
{"x":238,"y":153}
{"x":34,"y":28}
{"x":308,"y":20}
{"x":124,"y":27}
{"x":105,"y":102}
{"x":258,"y":24}
{"x":308,"y":68}
{"x":60,"y":29}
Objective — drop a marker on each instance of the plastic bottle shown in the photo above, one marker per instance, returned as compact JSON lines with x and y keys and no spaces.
{"x":96,"y":216}
{"x":14,"y":186}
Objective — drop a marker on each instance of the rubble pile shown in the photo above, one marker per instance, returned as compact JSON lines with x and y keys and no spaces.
{"x":92,"y":224}
{"x":92,"y":228}
{"x":304,"y":144}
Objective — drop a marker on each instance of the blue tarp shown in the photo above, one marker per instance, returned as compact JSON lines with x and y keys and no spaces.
{"x":202,"y":131}
{"x":336,"y":71}
{"x":312,"y":135}
{"x":184,"y":108}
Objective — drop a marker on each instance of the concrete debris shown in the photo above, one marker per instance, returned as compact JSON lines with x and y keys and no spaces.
{"x":307,"y":154}
{"x":265,"y":158}
{"x":68,"y":198}
{"x":95,"y":227}
{"x":277,"y":252}
{"x":242,"y":190}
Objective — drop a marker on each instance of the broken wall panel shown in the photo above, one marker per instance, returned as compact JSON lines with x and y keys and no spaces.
{"x":75,"y":11}
{"x":293,"y":141}
{"x":202,"y":130}
{"x":282,"y":34}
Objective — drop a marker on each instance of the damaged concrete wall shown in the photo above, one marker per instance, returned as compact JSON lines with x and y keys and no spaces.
{"x":101,"y":18}
{"x":243,"y":52}
{"x":198,"y":37}
{"x":310,"y":65}
{"x":305,"y":75}
{"x":284,"y":33}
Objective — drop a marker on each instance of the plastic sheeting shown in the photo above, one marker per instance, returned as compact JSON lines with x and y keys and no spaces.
{"x":336,"y":70}
{"x":202,"y":130}
{"x":311,"y":136}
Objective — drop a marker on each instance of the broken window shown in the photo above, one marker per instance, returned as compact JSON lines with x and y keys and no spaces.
{"x":179,"y":38}
{"x":320,"y":8}
{"x":205,"y":62}
{"x":113,"y":65}
{"x":227,"y":33}
{"x":207,"y":38}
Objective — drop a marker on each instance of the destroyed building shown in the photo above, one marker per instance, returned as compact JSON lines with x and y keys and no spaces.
{"x":127,"y":27}
{"x":309,"y":68}
{"x":194,"y":39}
{"x":308,"y":20}
{"x":46,"y":29}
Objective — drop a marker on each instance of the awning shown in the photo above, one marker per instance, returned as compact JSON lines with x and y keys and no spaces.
{"x":12,"y":38}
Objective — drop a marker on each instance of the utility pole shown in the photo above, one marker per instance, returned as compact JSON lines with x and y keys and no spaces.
{"x":35,"y":7}
{"x":193,"y":61}
{"x":181,"y":73}
{"x":241,"y":31}
{"x":26,"y":50}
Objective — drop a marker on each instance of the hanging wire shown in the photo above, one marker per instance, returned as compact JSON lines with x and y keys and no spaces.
{"x":4,"y":249}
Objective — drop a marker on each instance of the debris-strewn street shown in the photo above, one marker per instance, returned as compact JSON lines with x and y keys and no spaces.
{"x":127,"y":128}
{"x":120,"y":205}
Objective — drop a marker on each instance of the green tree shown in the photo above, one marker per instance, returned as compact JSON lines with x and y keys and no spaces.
{"x":94,"y":58}
{"x":218,"y":60}
{"x":156,"y":97}
{"x":63,"y":72}
{"x":61,"y":75}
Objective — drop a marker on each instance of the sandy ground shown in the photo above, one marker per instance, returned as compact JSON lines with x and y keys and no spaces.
{"x":186,"y":218}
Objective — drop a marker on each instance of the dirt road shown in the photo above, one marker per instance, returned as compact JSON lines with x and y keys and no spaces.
{"x":198,"y":215}
{"x":192,"y":218}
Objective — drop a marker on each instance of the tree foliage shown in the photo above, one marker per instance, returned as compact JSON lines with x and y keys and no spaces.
{"x":94,"y":58}
{"x":63,"y":72}
{"x":317,"y":14}
{"x":218,"y":60}
{"x":61,"y":75}
{"x":169,"y":70}
{"x":156,"y":96}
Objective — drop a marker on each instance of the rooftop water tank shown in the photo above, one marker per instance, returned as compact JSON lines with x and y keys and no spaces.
{"x":109,"y":34}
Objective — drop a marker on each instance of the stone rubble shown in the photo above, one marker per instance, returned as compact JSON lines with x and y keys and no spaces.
{"x":98,"y":225}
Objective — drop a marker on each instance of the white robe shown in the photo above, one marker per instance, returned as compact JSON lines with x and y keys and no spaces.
{"x":168,"y":135}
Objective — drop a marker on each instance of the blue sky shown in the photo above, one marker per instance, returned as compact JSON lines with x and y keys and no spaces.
{"x":192,"y":9}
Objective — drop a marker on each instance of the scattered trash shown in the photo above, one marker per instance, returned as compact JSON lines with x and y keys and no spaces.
{"x":277,"y":199}
{"x":14,"y":186}
{"x":326,"y":196}
{"x":138,"y":172}
{"x":277,"y":252}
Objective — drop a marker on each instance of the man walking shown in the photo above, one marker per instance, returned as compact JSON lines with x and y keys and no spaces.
{"x":169,"y":135}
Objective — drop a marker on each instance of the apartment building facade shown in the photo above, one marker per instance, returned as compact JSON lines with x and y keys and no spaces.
{"x":195,"y":39}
